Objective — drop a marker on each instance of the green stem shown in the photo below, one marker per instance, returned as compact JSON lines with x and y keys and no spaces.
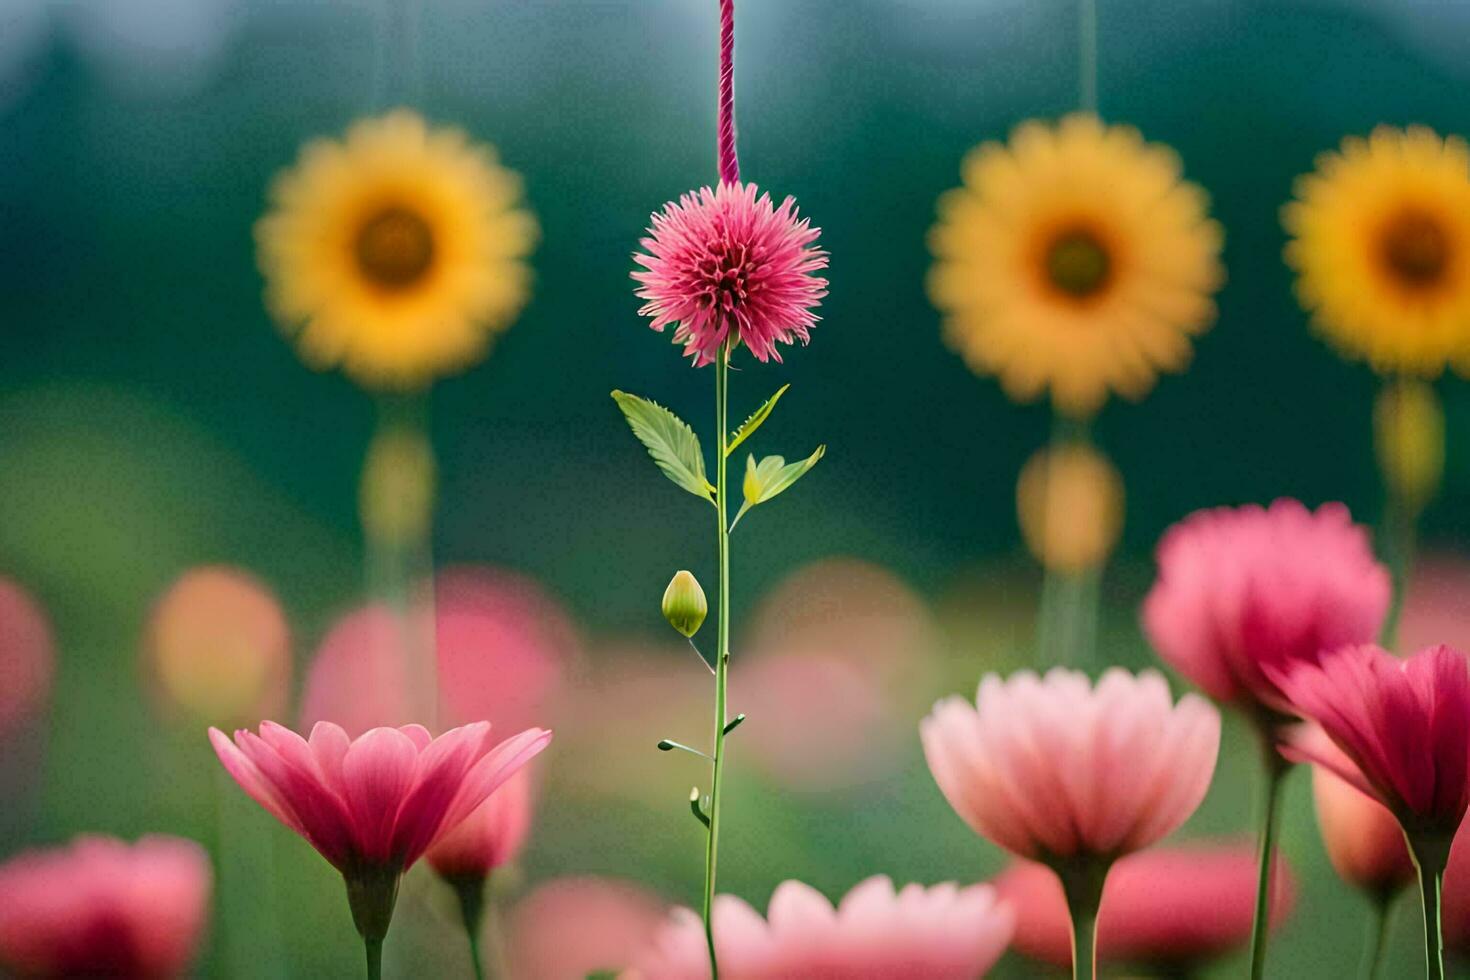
{"x":1398,"y":543}
{"x":471,"y":892}
{"x":1430,"y":857}
{"x":1276,"y":769}
{"x":1082,"y":883}
{"x":722,"y":653}
{"x":1375,"y":950}
{"x":374,"y":949}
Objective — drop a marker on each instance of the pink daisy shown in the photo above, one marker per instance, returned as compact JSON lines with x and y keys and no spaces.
{"x":722,"y":259}
{"x":875,"y":933}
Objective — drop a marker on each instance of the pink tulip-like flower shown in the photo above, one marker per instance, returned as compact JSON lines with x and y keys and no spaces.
{"x":1363,"y":840}
{"x":1241,"y":590}
{"x":372,"y":806}
{"x":104,"y":908}
{"x":724,"y":264}
{"x":1172,"y":909}
{"x":1403,"y":724}
{"x":490,"y":837}
{"x":1051,"y":767}
{"x":939,"y":933}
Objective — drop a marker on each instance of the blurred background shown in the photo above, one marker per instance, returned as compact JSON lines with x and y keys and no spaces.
{"x":153,"y":419}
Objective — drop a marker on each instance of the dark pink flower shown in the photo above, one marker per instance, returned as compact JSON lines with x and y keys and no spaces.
{"x":875,"y":933}
{"x":724,"y":260}
{"x":372,"y":806}
{"x":104,"y":908}
{"x":1243,"y":589}
{"x":1404,"y":725}
{"x":1172,"y":907}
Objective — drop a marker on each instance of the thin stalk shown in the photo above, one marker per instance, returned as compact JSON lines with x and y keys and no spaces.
{"x":1082,"y":883}
{"x":471,"y":893}
{"x":1430,"y":858}
{"x":722,"y":652}
{"x":1276,"y":769}
{"x":1375,"y":947}
{"x":374,"y":948}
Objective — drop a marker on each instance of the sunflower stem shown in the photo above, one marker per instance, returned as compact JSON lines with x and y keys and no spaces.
{"x":1276,"y":768}
{"x":1398,"y":542}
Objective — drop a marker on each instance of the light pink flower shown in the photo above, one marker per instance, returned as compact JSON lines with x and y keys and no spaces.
{"x":614,"y":921}
{"x":104,"y":908}
{"x":490,"y":837}
{"x":1363,"y":840}
{"x":26,"y":655}
{"x":724,"y":260}
{"x":1054,"y":767}
{"x":1172,"y":908}
{"x":1245,"y":588}
{"x":917,"y":933}
{"x":1404,"y":725}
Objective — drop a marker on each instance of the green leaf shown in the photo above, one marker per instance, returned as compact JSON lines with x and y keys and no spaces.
{"x":669,"y":440}
{"x":771,"y":476}
{"x":748,"y":427}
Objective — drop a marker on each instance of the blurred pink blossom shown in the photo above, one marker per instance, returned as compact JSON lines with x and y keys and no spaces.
{"x":490,"y":837}
{"x":27,"y":655}
{"x":1171,"y":908}
{"x":571,"y":927}
{"x":875,"y":933}
{"x":100,"y":907}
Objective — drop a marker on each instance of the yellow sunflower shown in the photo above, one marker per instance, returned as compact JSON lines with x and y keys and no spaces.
{"x":1074,"y":260}
{"x":1381,"y":244}
{"x":396,"y":253}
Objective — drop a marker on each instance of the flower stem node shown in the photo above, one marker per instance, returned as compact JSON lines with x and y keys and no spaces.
{"x":685,"y":605}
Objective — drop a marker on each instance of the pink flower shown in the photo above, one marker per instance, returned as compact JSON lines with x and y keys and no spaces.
{"x":1456,"y":908}
{"x":1404,"y":725}
{"x":1243,"y":589}
{"x":1173,"y":909}
{"x":1051,"y":766}
{"x":490,"y":837}
{"x":939,"y":933}
{"x":1363,"y":840}
{"x":26,"y":655}
{"x":722,"y":259}
{"x":614,"y":921}
{"x":102,"y":907}
{"x":372,"y":806}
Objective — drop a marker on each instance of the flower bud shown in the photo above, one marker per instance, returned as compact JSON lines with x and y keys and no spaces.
{"x":1363,"y":840}
{"x":1408,"y":436}
{"x":684,"y":604}
{"x":1069,"y":501}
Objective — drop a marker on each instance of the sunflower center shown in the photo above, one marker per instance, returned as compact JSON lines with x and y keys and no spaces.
{"x":394,"y":248}
{"x":1415,"y":249}
{"x":724,"y":275}
{"x":1077,"y":263}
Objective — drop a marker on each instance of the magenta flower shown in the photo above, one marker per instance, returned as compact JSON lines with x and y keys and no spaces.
{"x":1245,"y":588}
{"x":373,"y":806}
{"x":104,"y":908}
{"x":1051,"y":767}
{"x":1404,"y":725}
{"x":724,"y":260}
{"x":1171,"y":909}
{"x":875,"y":933}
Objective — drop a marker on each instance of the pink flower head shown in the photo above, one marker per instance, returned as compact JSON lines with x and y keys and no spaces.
{"x":1455,"y":910}
{"x":490,"y":837}
{"x":1403,"y":724}
{"x":1241,"y":589}
{"x":1172,"y":909}
{"x":939,"y":933}
{"x":104,"y":908}
{"x":26,"y":655}
{"x":1363,"y":840}
{"x":724,"y":259}
{"x":1052,"y":768}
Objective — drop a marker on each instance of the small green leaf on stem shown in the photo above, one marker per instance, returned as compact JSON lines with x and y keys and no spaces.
{"x":771,"y":476}
{"x":734,"y":723}
{"x":695,"y":807}
{"x":669,"y":440}
{"x":668,"y":745}
{"x":748,"y":427}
